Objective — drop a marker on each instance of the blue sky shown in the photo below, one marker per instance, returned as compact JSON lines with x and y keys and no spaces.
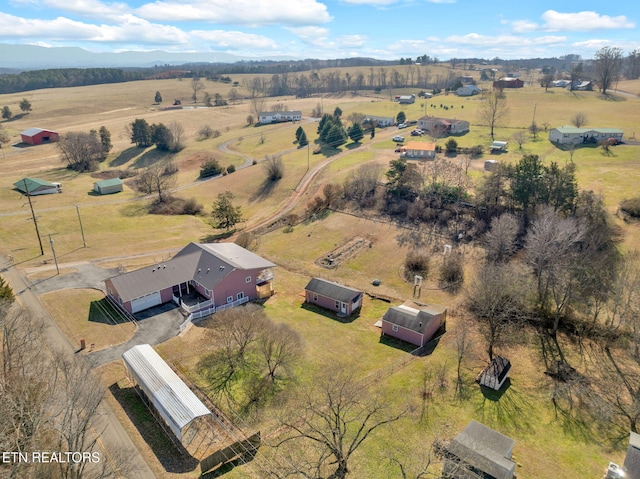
{"x":385,"y":29}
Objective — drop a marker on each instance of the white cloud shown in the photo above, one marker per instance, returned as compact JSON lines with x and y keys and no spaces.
{"x":311,"y":35}
{"x":131,"y":29}
{"x":371,"y":2}
{"x":239,"y":12}
{"x":524,"y":26}
{"x":573,"y":22}
{"x":351,"y":41}
{"x":230,"y":40}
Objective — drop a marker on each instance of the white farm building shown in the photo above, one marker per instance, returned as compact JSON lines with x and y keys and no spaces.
{"x":567,"y":135}
{"x":176,"y":404}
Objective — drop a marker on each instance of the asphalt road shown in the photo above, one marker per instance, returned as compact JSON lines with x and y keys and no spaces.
{"x":113,"y":434}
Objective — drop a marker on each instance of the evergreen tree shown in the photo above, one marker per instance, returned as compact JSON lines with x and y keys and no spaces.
{"x":141,"y":133}
{"x":6,"y":112}
{"x":105,"y":140}
{"x":25,"y":105}
{"x":356,"y":133}
{"x":373,"y":131}
{"x":299,"y":131}
{"x":225,"y":214}
{"x":337,"y":112}
{"x":401,"y":118}
{"x":6,"y":293}
{"x":158,"y":97}
{"x":336,"y":136}
{"x":162,"y":137}
{"x":303,"y":141}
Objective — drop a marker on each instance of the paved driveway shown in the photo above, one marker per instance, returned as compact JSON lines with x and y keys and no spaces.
{"x":155,"y":325}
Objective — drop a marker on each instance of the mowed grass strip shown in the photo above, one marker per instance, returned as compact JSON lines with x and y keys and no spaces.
{"x":84,"y":314}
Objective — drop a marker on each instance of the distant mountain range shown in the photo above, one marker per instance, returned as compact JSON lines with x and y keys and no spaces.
{"x":32,"y":57}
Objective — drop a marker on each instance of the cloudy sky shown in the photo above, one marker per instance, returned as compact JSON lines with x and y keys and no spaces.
{"x":386,"y":29}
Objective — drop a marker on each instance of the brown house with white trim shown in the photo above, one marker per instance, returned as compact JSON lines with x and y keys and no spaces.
{"x":200,"y":277}
{"x":333,"y":296}
{"x":443,"y":126}
{"x":413,"y":323}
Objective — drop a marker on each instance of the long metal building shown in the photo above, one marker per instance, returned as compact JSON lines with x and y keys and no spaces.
{"x":178,"y":406}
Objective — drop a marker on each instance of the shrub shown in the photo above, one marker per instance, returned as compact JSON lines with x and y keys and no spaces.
{"x":205,"y":132}
{"x":631,"y":207}
{"x":176,"y":206}
{"x":417,"y":262}
{"x":231,"y":169}
{"x":452,"y":270}
{"x":451,"y":146}
{"x":245,"y":240}
{"x":210,"y":167}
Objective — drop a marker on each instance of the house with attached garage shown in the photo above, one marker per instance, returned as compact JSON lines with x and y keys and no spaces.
{"x":570,"y":135}
{"x":200,"y":278}
{"x":413,"y":322}
{"x":266,"y":117}
{"x":333,"y":296}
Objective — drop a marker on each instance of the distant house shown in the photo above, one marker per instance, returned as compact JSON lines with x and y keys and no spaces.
{"x":443,"y":126}
{"x":406,"y":99}
{"x":479,"y":452}
{"x":266,"y":117}
{"x":106,"y":187}
{"x":420,"y":150}
{"x":36,"y":186}
{"x":560,"y":83}
{"x":171,"y":398}
{"x":380,"y":120}
{"x":413,"y":323}
{"x":508,"y":82}
{"x":38,"y":136}
{"x":333,"y":296}
{"x":498,"y":146}
{"x":468,"y":90}
{"x":495,"y":373}
{"x":200,"y":278}
{"x":567,"y":135}
{"x":580,"y":85}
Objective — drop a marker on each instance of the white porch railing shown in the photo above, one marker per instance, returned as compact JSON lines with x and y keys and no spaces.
{"x":195,"y":307}
{"x":193,"y":317}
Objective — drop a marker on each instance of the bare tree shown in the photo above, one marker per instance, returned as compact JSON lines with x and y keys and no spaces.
{"x":493,"y":110}
{"x":281,"y":347}
{"x":177,"y":132}
{"x":81,"y":151}
{"x":608,"y":63}
{"x":334,"y":419}
{"x":157,"y":179}
{"x":196,"y":86}
{"x":497,"y":296}
{"x":500,"y":240}
{"x":552,"y":250}
{"x":463,"y":347}
{"x":257,"y":106}
{"x":579,"y":119}
{"x":361,"y":184}
{"x":520,"y":138}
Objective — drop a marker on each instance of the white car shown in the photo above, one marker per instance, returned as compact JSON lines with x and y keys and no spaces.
{"x":398,"y":138}
{"x":402,"y":125}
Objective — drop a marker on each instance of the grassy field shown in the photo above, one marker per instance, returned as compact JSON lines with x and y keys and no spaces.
{"x":118,"y":226}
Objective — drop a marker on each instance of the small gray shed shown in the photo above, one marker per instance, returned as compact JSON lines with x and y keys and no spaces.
{"x":106,"y":187}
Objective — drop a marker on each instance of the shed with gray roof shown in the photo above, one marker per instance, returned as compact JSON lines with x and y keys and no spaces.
{"x":413,"y":322}
{"x":106,"y":187}
{"x":333,"y":296}
{"x":479,"y":451}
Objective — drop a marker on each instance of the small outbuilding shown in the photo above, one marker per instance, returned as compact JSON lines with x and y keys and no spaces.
{"x":499,"y":146}
{"x":414,"y":323}
{"x":490,"y":165}
{"x":420,"y":149}
{"x":36,"y":186}
{"x":106,"y":187}
{"x":479,"y":451}
{"x":38,"y":136}
{"x":495,"y":373}
{"x":333,"y":296}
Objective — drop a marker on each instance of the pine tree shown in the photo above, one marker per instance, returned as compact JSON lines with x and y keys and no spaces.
{"x":356,"y":133}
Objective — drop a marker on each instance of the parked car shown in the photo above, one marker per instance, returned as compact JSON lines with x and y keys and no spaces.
{"x":417,"y":132}
{"x":398,"y":150}
{"x":398,"y":138}
{"x":402,"y":125}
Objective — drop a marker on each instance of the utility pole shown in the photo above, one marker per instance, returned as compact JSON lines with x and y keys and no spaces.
{"x":33,"y":215}
{"x":84,"y":243}
{"x":55,"y":259}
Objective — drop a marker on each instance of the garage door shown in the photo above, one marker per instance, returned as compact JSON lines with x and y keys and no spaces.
{"x":147,"y":301}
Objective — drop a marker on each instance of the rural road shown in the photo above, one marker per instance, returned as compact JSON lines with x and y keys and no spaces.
{"x":114,"y":434}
